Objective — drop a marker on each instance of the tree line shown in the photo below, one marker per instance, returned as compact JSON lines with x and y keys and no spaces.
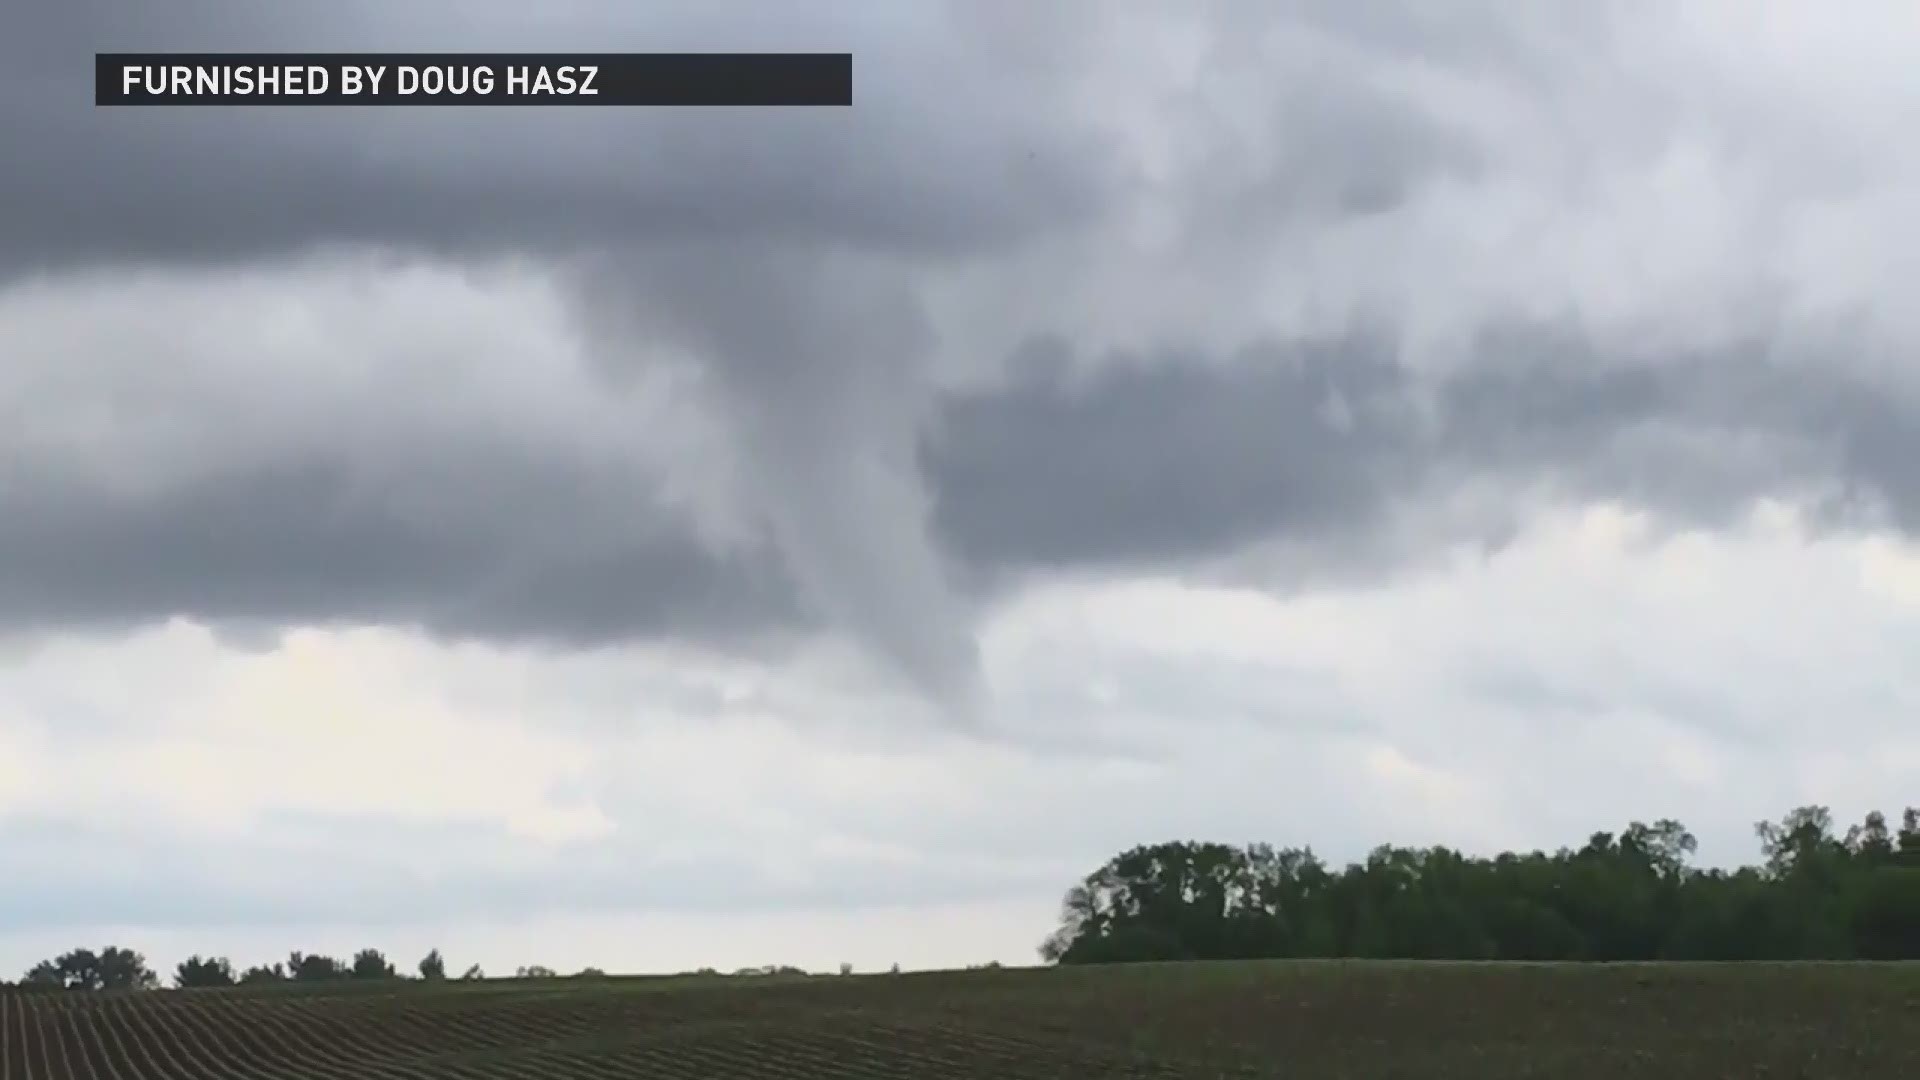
{"x":1632,"y":896}
{"x":116,"y":968}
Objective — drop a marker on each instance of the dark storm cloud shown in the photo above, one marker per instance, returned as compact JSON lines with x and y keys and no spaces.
{"x":537,"y":560}
{"x":1155,"y":461}
{"x":1696,"y":436}
{"x":1159,"y":461}
{"x":1150,"y":461}
{"x":772,"y":244}
{"x":946,"y":156}
{"x":794,"y":253}
{"x":918,"y":168}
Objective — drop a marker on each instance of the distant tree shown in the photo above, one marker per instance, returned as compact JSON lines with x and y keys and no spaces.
{"x":304,"y":967}
{"x":433,"y":966}
{"x":846,"y":968}
{"x":80,"y":970}
{"x":473,"y":974}
{"x":112,"y":968}
{"x":258,"y":974}
{"x":1663,"y":847}
{"x":1625,"y":896}
{"x":1885,"y":913}
{"x":197,"y":972}
{"x":125,"y":969}
{"x":1871,"y":840}
{"x":1908,"y":841}
{"x":44,"y":975}
{"x":1802,"y":844}
{"x":372,"y":964}
{"x":589,"y":973}
{"x":535,"y":971}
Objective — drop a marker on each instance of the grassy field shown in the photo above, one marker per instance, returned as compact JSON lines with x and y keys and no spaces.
{"x":1297,"y":1020}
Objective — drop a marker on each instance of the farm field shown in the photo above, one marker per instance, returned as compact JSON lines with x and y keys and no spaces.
{"x":1254,"y":1019}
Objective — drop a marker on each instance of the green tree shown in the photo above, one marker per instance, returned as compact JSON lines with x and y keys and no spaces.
{"x":112,"y":968}
{"x":304,"y":967}
{"x":1626,"y":896}
{"x":1885,"y":913}
{"x":125,"y":969}
{"x":1871,"y":841}
{"x":45,"y":975}
{"x":433,"y":966}
{"x":1907,"y":843}
{"x":80,"y":969}
{"x":195,"y":971}
{"x":372,"y":964}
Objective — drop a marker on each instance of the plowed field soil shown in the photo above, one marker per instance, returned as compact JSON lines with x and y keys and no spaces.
{"x":1296,"y":1020}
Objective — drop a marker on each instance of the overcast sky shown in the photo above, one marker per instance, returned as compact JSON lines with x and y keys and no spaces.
{"x":665,"y":539}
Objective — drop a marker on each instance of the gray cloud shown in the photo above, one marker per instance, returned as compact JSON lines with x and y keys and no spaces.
{"x":1169,"y":460}
{"x":1164,"y":462}
{"x":772,"y":245}
{"x":809,"y":261}
{"x":914,"y":169}
{"x":527,"y":550}
{"x":820,"y":368}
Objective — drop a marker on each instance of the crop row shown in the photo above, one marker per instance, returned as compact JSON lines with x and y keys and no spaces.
{"x":221,"y":1036}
